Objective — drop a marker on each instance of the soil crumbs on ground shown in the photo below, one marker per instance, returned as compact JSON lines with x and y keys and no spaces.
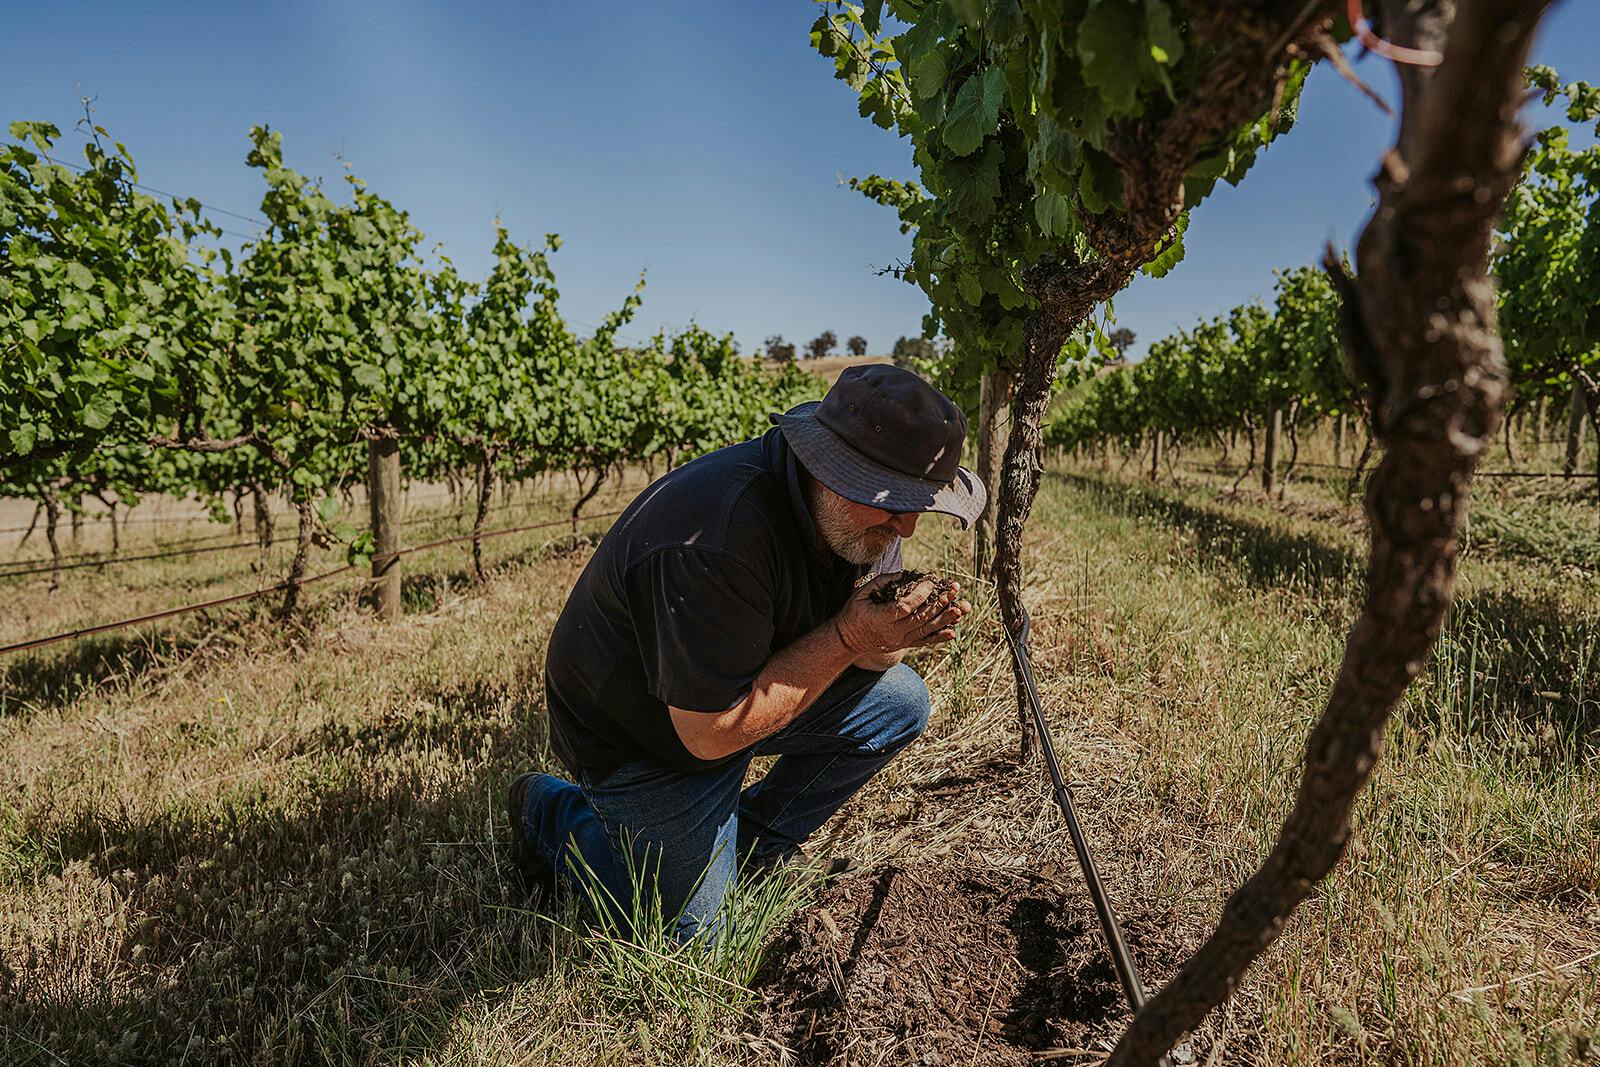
{"x":933,"y":964}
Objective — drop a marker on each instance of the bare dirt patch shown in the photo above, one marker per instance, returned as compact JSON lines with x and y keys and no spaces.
{"x":944,"y":964}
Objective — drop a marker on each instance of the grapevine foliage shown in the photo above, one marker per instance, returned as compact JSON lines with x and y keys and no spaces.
{"x":1014,"y":109}
{"x":138,"y":357}
{"x":1221,"y":375}
{"x":1548,"y":259}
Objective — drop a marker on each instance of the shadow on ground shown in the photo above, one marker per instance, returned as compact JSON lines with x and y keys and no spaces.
{"x":59,"y":674}
{"x":1509,"y":663}
{"x":346,"y":916}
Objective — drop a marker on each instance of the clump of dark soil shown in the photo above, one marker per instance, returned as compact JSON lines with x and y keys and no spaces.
{"x":903,"y":584}
{"x":938,"y":964}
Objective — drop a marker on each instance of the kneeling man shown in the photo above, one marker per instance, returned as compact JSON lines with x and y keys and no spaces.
{"x":726,"y":615}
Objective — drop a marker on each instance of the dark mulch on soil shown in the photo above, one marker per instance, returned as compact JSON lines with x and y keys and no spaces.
{"x":937,"y":964}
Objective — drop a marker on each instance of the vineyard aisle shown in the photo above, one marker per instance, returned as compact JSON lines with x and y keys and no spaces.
{"x":289,"y":843}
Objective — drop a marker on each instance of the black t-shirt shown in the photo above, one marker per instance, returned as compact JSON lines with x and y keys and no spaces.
{"x":712,"y":569}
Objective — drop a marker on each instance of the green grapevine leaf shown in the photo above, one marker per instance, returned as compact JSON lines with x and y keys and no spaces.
{"x":975,"y":113}
{"x":928,"y":75}
{"x":1114,"y":44}
{"x":970,"y":12}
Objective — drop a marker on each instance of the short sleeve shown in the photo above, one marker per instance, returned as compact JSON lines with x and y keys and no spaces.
{"x":704,"y":624}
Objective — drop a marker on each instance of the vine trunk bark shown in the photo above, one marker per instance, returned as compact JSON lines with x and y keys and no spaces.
{"x":1418,"y":324}
{"x":1241,"y":78}
{"x":263,"y":516}
{"x":302,"y":555}
{"x":33,"y":524}
{"x":52,"y":520}
{"x":1250,"y":465}
{"x":485,"y":483}
{"x":1019,"y":477}
{"x":1292,"y":427}
{"x":111,"y":516}
{"x":586,"y":496}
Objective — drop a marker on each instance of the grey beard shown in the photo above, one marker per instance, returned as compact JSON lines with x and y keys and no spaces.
{"x":838,"y":536}
{"x":857,"y":551}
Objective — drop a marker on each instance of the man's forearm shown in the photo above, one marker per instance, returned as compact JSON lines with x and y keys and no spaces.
{"x":790,"y":682}
{"x":879,"y":661}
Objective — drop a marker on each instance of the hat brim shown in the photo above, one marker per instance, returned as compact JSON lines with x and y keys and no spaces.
{"x":835,"y":464}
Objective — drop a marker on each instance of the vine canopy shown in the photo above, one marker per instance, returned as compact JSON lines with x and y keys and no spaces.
{"x":1023,"y":115}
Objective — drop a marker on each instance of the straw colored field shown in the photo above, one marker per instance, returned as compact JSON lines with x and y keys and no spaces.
{"x":263,"y":845}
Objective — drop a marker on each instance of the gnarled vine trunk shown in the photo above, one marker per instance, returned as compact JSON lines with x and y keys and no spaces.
{"x":585,"y":495}
{"x":263,"y":516}
{"x":33,"y":524}
{"x":1244,"y":74}
{"x":1419,"y":327}
{"x":302,"y":554}
{"x":1589,"y":389}
{"x":52,"y":520}
{"x":485,"y":482}
{"x":111,"y":515}
{"x":1292,"y":426}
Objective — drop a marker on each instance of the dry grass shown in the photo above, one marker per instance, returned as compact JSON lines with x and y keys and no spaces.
{"x":259,"y":846}
{"x":829,"y":368}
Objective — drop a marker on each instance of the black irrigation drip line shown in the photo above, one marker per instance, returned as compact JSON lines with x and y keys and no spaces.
{"x":88,"y":631}
{"x":1121,"y":958}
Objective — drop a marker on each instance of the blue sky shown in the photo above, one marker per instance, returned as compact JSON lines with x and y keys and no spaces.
{"x":701,"y":143}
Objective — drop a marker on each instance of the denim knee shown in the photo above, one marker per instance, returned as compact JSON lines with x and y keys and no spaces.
{"x":906,"y":706}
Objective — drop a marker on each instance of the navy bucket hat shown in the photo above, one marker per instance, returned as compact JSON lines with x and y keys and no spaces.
{"x":884,"y":437}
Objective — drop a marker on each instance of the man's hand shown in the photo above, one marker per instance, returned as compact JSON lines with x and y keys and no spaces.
{"x":918,"y":619}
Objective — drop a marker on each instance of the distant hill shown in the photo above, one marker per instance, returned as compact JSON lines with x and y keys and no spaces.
{"x":830,"y":367}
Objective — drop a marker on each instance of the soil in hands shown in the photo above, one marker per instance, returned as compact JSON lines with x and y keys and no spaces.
{"x":936,"y":964}
{"x":904,"y":582}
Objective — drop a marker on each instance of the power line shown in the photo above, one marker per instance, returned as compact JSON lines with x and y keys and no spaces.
{"x":162,"y":192}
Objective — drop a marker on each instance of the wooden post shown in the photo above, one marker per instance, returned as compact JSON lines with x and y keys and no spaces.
{"x":383,"y":494}
{"x":1269,"y":458}
{"x":1155,"y":455}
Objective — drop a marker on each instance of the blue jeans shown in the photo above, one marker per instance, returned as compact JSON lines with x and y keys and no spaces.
{"x":684,"y":832}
